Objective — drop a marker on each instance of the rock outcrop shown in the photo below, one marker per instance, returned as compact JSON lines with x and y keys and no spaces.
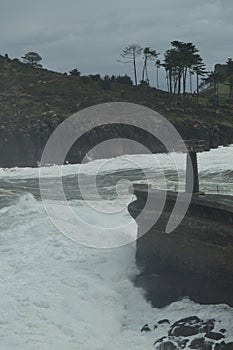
{"x":23,"y":144}
{"x":190,"y":333}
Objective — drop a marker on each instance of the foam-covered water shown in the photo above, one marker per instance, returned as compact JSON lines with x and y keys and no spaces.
{"x":57,"y":294}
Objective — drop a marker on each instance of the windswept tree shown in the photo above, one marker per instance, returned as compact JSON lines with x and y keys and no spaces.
{"x":32,"y":58}
{"x":173,"y":68}
{"x":189,"y":56}
{"x":200,"y":70}
{"x":130,"y":54}
{"x":177,"y":62}
{"x":149,"y":55}
{"x":75,"y":72}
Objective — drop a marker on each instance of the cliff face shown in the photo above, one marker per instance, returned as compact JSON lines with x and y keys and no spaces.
{"x":23,"y":145}
{"x":214,"y":135}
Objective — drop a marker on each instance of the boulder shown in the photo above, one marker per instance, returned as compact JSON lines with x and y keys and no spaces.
{"x":167,"y":345}
{"x":163,"y":321}
{"x":214,"y":335}
{"x":224,"y":346}
{"x":146,"y":328}
{"x":200,"y":344}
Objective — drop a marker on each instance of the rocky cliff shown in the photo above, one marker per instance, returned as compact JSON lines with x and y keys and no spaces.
{"x":22,"y":145}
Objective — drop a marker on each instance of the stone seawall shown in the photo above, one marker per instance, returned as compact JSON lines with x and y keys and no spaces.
{"x":196,"y":259}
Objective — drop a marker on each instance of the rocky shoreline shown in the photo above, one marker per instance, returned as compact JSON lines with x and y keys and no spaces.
{"x":189,"y":333}
{"x":22,"y":144}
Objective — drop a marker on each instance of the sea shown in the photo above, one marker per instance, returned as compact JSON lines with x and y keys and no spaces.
{"x":61,"y":294}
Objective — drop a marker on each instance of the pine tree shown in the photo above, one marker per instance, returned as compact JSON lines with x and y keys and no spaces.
{"x":32,"y":58}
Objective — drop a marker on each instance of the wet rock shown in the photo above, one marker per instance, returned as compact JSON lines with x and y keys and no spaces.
{"x":200,"y":344}
{"x":224,"y":346}
{"x":184,"y":331}
{"x":185,"y":327}
{"x":196,"y":343}
{"x":187,"y":320}
{"x":146,"y":328}
{"x":159,"y":340}
{"x":191,"y":326}
{"x":178,"y":336}
{"x":214,"y":335}
{"x":208,"y":326}
{"x":182,"y":343}
{"x":164,"y":321}
{"x":167,"y":345}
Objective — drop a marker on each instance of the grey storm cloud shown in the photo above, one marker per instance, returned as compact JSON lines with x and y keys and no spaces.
{"x":90,"y":34}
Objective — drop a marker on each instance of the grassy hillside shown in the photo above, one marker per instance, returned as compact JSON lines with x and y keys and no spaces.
{"x":28,"y":93}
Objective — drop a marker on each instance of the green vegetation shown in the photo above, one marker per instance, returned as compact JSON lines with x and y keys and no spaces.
{"x":32,"y":58}
{"x":180,"y":62}
{"x":182,"y":59}
{"x":183,"y":64}
{"x":149,"y":55}
{"x":28,"y":94}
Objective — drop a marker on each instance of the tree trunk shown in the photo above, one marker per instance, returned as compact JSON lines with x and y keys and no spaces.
{"x":191,"y":86}
{"x":184,"y":80}
{"x":179,"y":82}
{"x":167,"y":82}
{"x":197,"y":83}
{"x":170,"y":81}
{"x":135,"y":69}
{"x":197,"y":75}
{"x":157,"y":77}
{"x":147,"y":77}
{"x":143,"y":69}
{"x":174,"y":84}
{"x":176,"y":80}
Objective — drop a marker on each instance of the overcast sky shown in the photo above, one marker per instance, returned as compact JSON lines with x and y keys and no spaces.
{"x":90,"y":34}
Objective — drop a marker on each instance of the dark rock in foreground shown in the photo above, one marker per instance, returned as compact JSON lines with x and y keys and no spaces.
{"x":190,"y":333}
{"x":214,"y":335}
{"x":146,"y":328}
{"x":167,"y":345}
{"x":224,"y":346}
{"x":201,"y":344}
{"x":190,"y":326}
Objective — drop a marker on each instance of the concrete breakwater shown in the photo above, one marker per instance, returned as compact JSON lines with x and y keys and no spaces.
{"x":196,"y":259}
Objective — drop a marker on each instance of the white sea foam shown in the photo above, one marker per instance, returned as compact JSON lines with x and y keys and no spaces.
{"x":206,"y":161}
{"x":56,"y":294}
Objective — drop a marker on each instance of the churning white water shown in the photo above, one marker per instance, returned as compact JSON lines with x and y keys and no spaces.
{"x":58,"y":294}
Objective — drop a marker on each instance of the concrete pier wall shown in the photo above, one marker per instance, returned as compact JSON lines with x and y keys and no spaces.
{"x":196,"y":259}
